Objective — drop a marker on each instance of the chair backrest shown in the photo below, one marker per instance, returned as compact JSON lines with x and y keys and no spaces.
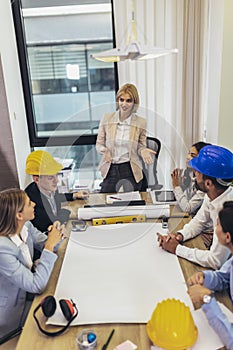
{"x":150,"y":179}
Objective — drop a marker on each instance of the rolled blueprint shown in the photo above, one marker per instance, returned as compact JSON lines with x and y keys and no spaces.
{"x":150,"y":211}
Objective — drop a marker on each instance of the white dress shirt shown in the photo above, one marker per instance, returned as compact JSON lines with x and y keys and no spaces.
{"x":21,"y":243}
{"x":190,"y":199}
{"x":121,"y":149}
{"x":52,"y":202}
{"x":207,"y":214}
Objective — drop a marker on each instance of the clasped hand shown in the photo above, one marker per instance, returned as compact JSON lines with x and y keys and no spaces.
{"x":55,"y":236}
{"x":58,"y":227}
{"x":196,"y":288}
{"x":170,"y":242}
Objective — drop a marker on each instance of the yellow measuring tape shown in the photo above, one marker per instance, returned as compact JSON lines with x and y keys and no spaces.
{"x":119,"y":220}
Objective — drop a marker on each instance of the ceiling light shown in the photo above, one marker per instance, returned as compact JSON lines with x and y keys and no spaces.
{"x":133,"y":50}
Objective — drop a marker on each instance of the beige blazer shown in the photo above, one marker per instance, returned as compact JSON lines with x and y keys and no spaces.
{"x":137,"y":142}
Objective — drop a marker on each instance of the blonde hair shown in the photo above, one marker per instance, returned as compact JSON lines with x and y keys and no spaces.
{"x":12,"y":201}
{"x":132,"y":91}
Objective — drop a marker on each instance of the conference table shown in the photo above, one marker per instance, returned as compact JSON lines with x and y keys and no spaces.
{"x":31,"y":337}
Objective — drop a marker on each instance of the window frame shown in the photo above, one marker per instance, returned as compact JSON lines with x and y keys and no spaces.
{"x":36,"y":141}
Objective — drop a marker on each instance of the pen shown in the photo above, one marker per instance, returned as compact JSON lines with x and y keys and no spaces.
{"x":108,"y":340}
{"x":118,"y":199}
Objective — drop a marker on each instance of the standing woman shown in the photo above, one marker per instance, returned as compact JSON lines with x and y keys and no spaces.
{"x":18,"y":277}
{"x":122,"y":142}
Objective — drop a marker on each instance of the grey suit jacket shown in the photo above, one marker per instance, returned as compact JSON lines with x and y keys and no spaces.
{"x":16,"y":279}
{"x":137,"y":141}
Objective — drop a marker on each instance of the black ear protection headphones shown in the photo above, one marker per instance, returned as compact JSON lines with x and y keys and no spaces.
{"x":48,"y":305}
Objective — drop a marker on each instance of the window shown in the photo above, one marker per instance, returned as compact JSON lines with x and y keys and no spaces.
{"x":66,"y":91}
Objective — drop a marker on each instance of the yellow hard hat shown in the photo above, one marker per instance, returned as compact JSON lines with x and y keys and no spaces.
{"x":42,"y":163}
{"x":171,"y":326}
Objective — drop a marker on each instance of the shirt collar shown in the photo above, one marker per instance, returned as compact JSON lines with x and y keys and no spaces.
{"x":126,"y":121}
{"x":23,"y":234}
{"x":51,"y":196}
{"x":215,"y":202}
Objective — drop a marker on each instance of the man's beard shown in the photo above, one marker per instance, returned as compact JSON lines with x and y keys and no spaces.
{"x":200,"y":186}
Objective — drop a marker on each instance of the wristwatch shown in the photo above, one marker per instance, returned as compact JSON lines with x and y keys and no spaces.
{"x":206,"y":299}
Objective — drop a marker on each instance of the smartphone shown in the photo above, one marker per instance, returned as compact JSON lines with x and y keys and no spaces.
{"x":165,"y":196}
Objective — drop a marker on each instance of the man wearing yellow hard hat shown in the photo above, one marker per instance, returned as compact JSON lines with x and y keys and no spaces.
{"x":43,"y":190}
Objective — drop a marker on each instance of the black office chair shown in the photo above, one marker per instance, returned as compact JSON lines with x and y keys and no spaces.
{"x":150,"y":179}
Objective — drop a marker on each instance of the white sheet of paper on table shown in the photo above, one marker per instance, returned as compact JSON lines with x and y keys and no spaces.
{"x":125,"y":196}
{"x":118,"y":273}
{"x":126,"y":345}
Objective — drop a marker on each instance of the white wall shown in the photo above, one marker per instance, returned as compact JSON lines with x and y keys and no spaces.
{"x":225,"y":129}
{"x":13,"y":89}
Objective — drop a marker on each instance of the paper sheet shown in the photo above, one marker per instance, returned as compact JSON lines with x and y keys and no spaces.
{"x":125,"y":196}
{"x":150,"y":211}
{"x":83,"y":184}
{"x":117,"y":273}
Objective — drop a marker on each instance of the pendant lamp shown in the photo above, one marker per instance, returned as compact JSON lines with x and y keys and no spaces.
{"x":132,"y":50}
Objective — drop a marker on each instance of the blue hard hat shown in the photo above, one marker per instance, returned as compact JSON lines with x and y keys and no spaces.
{"x":214,"y":161}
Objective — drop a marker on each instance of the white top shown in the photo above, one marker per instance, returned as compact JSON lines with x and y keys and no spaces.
{"x":121,"y":150}
{"x":21,"y":242}
{"x":207,"y":214}
{"x":190,"y":199}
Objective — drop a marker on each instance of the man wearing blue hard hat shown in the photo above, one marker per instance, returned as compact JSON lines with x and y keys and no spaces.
{"x":213,"y":169}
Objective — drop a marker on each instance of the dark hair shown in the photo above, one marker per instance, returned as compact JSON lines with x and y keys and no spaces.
{"x":188,"y":172}
{"x":216,"y":184}
{"x":199,"y":145}
{"x":12,"y":201}
{"x":226,"y":218}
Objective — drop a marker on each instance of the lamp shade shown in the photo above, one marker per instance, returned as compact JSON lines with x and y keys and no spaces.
{"x":133,"y":51}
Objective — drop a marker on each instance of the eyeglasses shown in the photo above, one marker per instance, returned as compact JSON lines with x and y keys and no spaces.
{"x":128,"y":100}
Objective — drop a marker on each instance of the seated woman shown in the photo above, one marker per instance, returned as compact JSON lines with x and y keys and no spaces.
{"x":188,"y":197}
{"x":203,"y":284}
{"x":18,"y":276}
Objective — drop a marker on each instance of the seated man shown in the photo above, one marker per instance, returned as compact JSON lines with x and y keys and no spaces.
{"x":43,"y":191}
{"x":213,"y":170}
{"x":202,"y":284}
